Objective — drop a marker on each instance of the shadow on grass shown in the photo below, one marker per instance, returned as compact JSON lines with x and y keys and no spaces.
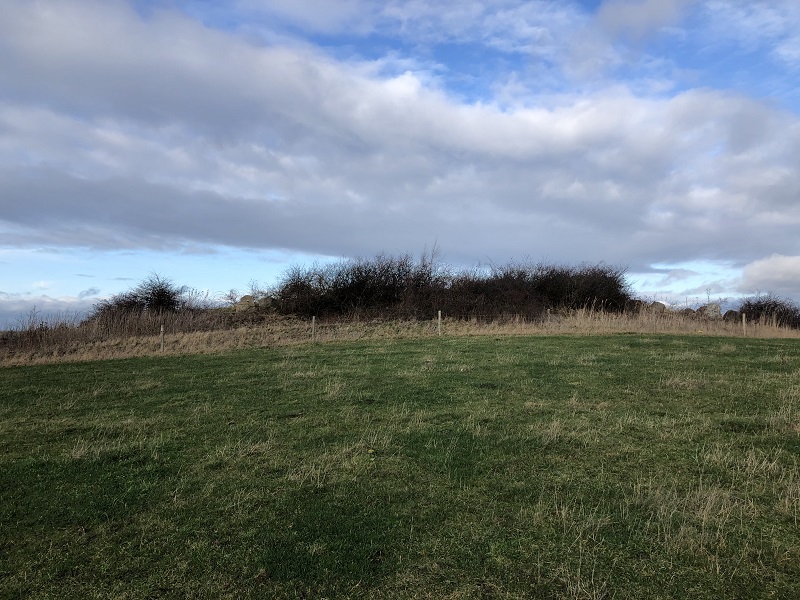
{"x":334,"y":536}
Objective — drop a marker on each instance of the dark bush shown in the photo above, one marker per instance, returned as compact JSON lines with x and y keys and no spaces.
{"x":586,"y":286}
{"x":768,"y":309}
{"x":300,"y":290}
{"x":530,"y":290}
{"x":156,"y":295}
{"x":502,"y":292}
{"x":383,"y":286}
{"x":390,"y":287}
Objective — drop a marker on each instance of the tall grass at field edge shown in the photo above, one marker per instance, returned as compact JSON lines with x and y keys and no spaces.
{"x":186,"y":335}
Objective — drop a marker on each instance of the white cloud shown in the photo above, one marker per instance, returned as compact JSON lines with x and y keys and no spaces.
{"x":789,"y":51}
{"x":321,"y":16}
{"x":752,"y":24}
{"x":776,"y":274}
{"x":535,"y":26}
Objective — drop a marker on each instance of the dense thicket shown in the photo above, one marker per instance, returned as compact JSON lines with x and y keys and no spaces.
{"x":769,"y":309}
{"x":384,"y":285}
{"x":401,"y":287}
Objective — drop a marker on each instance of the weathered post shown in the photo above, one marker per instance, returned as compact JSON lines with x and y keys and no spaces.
{"x":744,"y":324}
{"x":314,"y":329}
{"x":162,"y":337}
{"x":439,"y":324}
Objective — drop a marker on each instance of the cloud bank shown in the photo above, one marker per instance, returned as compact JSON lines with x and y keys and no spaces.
{"x":172,"y":127}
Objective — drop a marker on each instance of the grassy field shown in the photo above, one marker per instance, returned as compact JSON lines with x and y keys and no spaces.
{"x":607,"y":466}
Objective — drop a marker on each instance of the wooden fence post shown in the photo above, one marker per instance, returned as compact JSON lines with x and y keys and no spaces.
{"x":314,"y":329}
{"x":162,"y":337}
{"x":744,"y":324}
{"x":439,"y":325}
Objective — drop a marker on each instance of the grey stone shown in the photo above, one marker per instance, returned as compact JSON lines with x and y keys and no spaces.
{"x":246,"y":302}
{"x":710,"y":311}
{"x":732,"y":316}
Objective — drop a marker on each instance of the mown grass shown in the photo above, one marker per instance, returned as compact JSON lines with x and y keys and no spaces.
{"x":619,"y":466}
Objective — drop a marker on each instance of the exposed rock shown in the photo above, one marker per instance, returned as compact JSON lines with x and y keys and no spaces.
{"x":636,"y":306}
{"x":246,"y":302}
{"x":710,"y":311}
{"x":732,"y":316}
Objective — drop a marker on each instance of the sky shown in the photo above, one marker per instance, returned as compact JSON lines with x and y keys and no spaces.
{"x":218,"y":143}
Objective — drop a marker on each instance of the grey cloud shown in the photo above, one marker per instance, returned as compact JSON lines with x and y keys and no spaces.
{"x":89,"y":293}
{"x":675,"y":275}
{"x":590,"y":56}
{"x":161,"y":217}
{"x":776,"y":274}
{"x":710,"y":288}
{"x":125,"y":212}
{"x":485,"y":172}
{"x":20,"y":310}
{"x":639,"y":18}
{"x":98,"y":58}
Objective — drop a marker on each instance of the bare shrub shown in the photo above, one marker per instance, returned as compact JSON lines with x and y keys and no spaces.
{"x":156,"y":294}
{"x":384,"y":286}
{"x":771,"y":310}
{"x":400,"y":287}
{"x":505,"y":291}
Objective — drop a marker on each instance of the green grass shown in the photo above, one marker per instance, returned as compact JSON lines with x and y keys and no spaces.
{"x":623,"y":466}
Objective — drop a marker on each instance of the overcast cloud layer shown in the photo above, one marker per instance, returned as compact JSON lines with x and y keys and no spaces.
{"x":652,"y":134}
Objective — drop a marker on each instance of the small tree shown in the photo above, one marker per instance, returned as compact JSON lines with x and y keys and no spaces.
{"x":159,"y":294}
{"x":156,"y":294}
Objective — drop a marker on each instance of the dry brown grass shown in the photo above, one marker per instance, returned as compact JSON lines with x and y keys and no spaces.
{"x":59,"y":346}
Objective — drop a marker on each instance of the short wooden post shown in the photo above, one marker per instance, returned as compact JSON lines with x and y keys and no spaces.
{"x":313,"y":329}
{"x":162,"y":337}
{"x":439,"y":324}
{"x":744,"y":324}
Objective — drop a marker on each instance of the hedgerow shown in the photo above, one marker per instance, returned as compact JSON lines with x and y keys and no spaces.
{"x":400,"y":287}
{"x":770,"y":309}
